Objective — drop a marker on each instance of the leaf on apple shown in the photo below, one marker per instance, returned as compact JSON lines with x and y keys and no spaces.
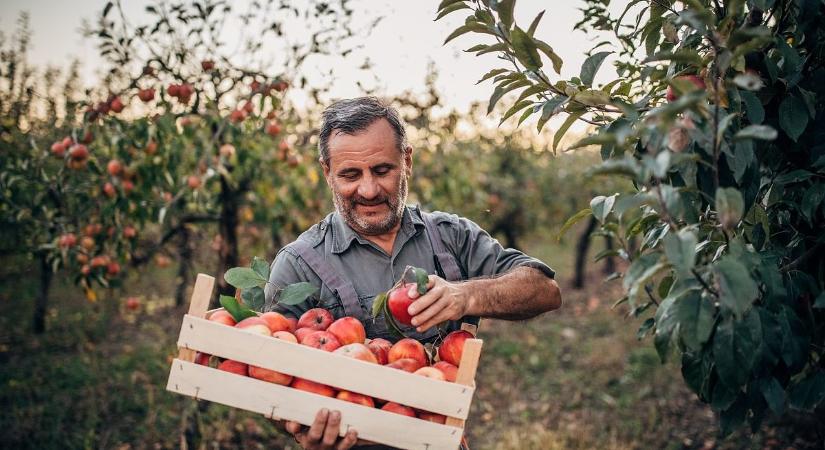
{"x":421,"y":279}
{"x":378,"y":304}
{"x":239,"y":312}
{"x":296,"y":293}
{"x":244,"y":278}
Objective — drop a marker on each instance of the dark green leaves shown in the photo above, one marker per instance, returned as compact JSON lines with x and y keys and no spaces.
{"x":505,"y":12}
{"x":239,"y":312}
{"x":378,"y":304}
{"x":601,"y":206}
{"x":525,"y":49}
{"x":695,"y":316}
{"x":809,"y":393}
{"x":421,"y":280}
{"x":735,"y":348}
{"x":296,"y":293}
{"x":793,"y":116}
{"x":244,"y":278}
{"x":573,"y":220}
{"x":680,"y":249}
{"x":737,"y":290}
{"x":729,"y":206}
{"x":591,"y":66}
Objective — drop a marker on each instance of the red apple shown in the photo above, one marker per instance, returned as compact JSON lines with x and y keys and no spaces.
{"x":132,"y":303}
{"x":432,"y":417}
{"x":114,"y":167}
{"x":207,"y":65}
{"x":450,"y":371}
{"x":79,"y":152}
{"x":202,"y":358}
{"x":353,"y":397}
{"x":302,"y":333}
{"x":357,"y":351}
{"x":285,"y":336}
{"x":275,"y":321}
{"x":109,"y":189}
{"x":697,"y":81}
{"x":113,"y":268}
{"x":227,"y":150}
{"x":408,"y":348}
{"x":398,"y":302}
{"x":254,"y":325}
{"x":58,"y":149}
{"x":381,"y":349}
{"x":430,"y":372}
{"x":311,"y":386}
{"x":273,"y":129}
{"x":67,"y":240}
{"x":116,"y":105}
{"x":399,"y":409}
{"x":270,"y":375}
{"x":406,"y":364}
{"x":453,"y":346}
{"x":146,"y":95}
{"x":323,"y":340}
{"x":223,"y":316}
{"x":293,"y":324}
{"x":316,"y":318}
{"x":348,"y":330}
{"x":234,"y":367}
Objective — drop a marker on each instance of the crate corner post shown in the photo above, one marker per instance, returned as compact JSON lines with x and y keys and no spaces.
{"x":198,"y":305}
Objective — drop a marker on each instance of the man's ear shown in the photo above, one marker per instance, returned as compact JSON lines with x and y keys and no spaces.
{"x":408,"y":160}
{"x":324,"y":166}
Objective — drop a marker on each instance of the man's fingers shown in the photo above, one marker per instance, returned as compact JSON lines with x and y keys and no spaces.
{"x":412,"y":292}
{"x":292,"y":427}
{"x":425,"y":301}
{"x":348,"y":441}
{"x":444,"y":314}
{"x":426,"y":316}
{"x":333,"y":426}
{"x":316,"y":431}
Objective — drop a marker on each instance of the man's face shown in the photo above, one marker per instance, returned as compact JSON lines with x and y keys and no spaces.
{"x":368,"y":177}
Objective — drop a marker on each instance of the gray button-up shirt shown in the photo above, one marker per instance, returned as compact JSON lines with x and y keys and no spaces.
{"x":372,"y":271}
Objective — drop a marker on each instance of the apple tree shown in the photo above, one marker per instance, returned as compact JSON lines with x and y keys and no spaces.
{"x":716,"y":115}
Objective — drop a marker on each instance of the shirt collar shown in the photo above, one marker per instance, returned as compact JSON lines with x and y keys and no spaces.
{"x":343,"y":235}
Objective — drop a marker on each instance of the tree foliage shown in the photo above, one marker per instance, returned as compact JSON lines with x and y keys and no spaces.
{"x":716,"y":115}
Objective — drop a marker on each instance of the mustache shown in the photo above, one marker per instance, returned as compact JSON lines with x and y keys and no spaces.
{"x":358,"y":200}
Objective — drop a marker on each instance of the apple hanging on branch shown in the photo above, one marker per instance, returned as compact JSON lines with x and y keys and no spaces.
{"x":251,"y":281}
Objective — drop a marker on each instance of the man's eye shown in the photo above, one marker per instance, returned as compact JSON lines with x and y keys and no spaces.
{"x":349,"y":176}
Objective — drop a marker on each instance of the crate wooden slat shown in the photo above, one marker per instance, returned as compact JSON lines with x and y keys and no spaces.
{"x":449,"y":399}
{"x":291,"y":404}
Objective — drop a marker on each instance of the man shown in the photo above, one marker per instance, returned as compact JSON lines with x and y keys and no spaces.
{"x":362,"y":248}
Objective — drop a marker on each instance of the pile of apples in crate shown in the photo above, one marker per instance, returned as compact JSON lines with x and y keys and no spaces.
{"x":345,"y":336}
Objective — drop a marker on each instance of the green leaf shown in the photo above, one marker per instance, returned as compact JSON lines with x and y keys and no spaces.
{"x":547,"y":50}
{"x":244,"y":278}
{"x":515,"y":108}
{"x":591,"y":66}
{"x":261,"y":267}
{"x":774,"y":395}
{"x":505,"y":12}
{"x":254,"y":298}
{"x":793,"y":116}
{"x":601,"y":206}
{"x":820,"y":300}
{"x":640,"y":271}
{"x":729,"y":206}
{"x":498,"y":47}
{"x":491,"y":74}
{"x":378,"y":304}
{"x":761,"y":132}
{"x":502,"y":89}
{"x":466,"y":28}
{"x":456,"y":6}
{"x":549,"y":109}
{"x":808,"y":393}
{"x":695,"y":316}
{"x":735,"y":347}
{"x":572,"y":221}
{"x":680,"y":249}
{"x":392,"y":326}
{"x":737,"y":289}
{"x":753,"y":107}
{"x":564,"y":127}
{"x":446,"y":3}
{"x":535,"y":23}
{"x":239,"y":312}
{"x":421,"y":280}
{"x":296,"y":293}
{"x":592,"y":97}
{"x":525,"y":49}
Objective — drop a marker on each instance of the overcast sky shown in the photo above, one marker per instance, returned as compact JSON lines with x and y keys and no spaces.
{"x":400,"y":47}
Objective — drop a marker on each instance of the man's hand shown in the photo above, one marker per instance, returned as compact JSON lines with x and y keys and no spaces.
{"x":323,"y":433}
{"x":443,"y":301}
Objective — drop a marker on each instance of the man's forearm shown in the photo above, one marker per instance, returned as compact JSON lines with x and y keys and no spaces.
{"x":521,"y":293}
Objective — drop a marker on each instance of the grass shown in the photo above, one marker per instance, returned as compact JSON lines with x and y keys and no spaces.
{"x":573,"y":379}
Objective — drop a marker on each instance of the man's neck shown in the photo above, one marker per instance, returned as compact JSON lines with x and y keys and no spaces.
{"x":386,"y":240}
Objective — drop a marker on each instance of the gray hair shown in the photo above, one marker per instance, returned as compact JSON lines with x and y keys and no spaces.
{"x":353,"y":115}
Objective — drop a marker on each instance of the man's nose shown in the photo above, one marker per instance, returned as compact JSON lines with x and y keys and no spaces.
{"x":368,"y":187}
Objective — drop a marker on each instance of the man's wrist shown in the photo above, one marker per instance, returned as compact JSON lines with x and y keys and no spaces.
{"x":472,"y":305}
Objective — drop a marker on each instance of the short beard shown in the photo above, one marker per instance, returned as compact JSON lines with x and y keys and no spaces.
{"x":346,"y":208}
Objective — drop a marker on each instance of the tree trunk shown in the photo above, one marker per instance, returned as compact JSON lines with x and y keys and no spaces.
{"x":184,"y":265}
{"x":42,"y":301}
{"x":228,"y":226}
{"x":581,"y":253}
{"x":610,"y":261}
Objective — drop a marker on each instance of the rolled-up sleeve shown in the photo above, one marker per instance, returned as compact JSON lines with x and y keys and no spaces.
{"x":482,"y":255}
{"x":285,"y":269}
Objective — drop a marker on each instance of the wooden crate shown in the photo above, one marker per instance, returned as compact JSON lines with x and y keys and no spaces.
{"x":281,"y":402}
